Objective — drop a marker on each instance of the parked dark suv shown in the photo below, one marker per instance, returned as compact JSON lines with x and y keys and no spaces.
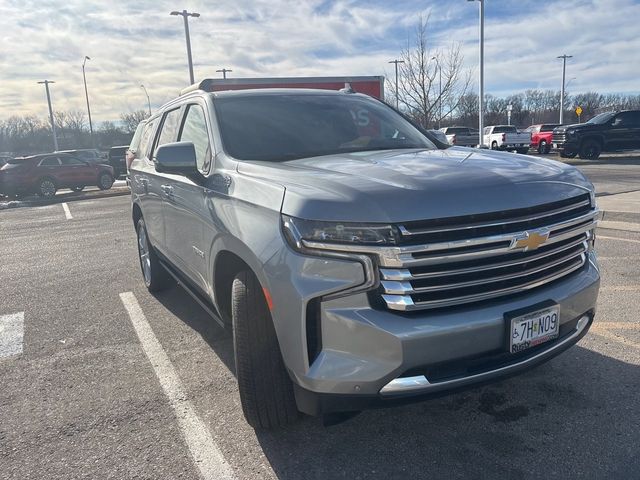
{"x":358,"y":262}
{"x":45,"y":174}
{"x":607,"y":132}
{"x":116,"y":158}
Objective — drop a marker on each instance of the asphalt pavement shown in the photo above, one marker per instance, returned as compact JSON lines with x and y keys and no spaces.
{"x":94,"y":387}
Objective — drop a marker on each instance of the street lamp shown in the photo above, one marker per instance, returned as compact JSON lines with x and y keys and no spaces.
{"x":440,"y":91}
{"x":86,"y":94}
{"x":224,"y":72}
{"x":148,"y":101}
{"x":396,"y":61}
{"x":53,"y":125}
{"x":564,"y":69}
{"x":481,"y":99}
{"x":185,"y":16}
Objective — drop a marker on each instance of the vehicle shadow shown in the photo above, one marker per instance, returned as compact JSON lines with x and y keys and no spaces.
{"x":178,"y":302}
{"x":575,"y":416}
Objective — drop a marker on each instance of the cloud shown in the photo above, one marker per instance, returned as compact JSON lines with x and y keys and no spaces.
{"x":133,"y":43}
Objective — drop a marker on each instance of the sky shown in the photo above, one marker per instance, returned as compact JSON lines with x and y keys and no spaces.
{"x":134,"y":43}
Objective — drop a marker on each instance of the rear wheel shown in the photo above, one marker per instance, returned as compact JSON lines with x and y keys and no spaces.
{"x":590,"y":150}
{"x":266,"y":391}
{"x":543,"y":147}
{"x":105,"y":181}
{"x":155,"y":276}
{"x":494,"y":145}
{"x":47,"y":188}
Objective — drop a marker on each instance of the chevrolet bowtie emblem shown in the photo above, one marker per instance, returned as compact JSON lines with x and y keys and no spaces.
{"x":531,"y":240}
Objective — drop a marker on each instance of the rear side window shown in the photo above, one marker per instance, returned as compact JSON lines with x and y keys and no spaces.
{"x":504,"y":129}
{"x":50,"y":162}
{"x":70,"y":161}
{"x":170,"y":125}
{"x":194,"y":129}
{"x":141,"y":150}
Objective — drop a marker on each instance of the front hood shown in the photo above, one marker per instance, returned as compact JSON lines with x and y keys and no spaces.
{"x":583,"y":127}
{"x":404,"y":185}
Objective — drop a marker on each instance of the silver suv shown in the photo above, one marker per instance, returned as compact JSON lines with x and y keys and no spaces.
{"x":359,"y":262}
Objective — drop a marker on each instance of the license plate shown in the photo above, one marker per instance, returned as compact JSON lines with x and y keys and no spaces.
{"x":555,"y":145}
{"x":534,"y":328}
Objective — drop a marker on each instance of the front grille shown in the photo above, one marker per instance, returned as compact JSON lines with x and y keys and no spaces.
{"x":460,"y":260}
{"x":559,"y":137}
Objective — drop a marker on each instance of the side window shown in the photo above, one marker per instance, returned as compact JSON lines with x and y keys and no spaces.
{"x":70,"y":161}
{"x":627,"y":119}
{"x":194,"y":129}
{"x":169,"y":130}
{"x":50,"y":162}
{"x":142,"y":149}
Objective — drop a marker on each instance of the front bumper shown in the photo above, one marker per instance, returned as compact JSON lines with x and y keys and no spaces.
{"x":372,"y":357}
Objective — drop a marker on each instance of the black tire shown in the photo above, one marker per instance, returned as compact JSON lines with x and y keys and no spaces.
{"x":567,"y":154}
{"x":543,"y":147}
{"x":47,"y":188}
{"x":78,"y":188}
{"x":494,"y":145}
{"x":157,"y":278}
{"x":266,"y":391}
{"x":105,"y":180}
{"x":590,"y":150}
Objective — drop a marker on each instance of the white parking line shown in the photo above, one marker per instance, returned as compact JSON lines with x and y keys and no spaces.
{"x":67,"y":212}
{"x":205,"y":452}
{"x":11,"y":334}
{"x":618,"y":238}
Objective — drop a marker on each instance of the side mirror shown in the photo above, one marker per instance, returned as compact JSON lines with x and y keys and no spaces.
{"x":616,"y":121}
{"x":178,"y":158}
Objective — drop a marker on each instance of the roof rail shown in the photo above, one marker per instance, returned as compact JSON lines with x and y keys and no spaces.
{"x":201,"y":85}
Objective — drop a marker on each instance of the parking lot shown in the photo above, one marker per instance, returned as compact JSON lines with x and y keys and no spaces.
{"x":101,"y":379}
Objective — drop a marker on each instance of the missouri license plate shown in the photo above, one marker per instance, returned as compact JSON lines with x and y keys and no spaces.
{"x":534,"y":328}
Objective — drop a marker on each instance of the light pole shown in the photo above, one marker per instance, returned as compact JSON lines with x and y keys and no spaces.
{"x":396,"y":61}
{"x":53,"y":125}
{"x":86,"y":94}
{"x":148,"y":101}
{"x":185,"y":16}
{"x":224,"y":72}
{"x":440,"y":90}
{"x":509,"y":110}
{"x":564,"y":69}
{"x":481,"y":98}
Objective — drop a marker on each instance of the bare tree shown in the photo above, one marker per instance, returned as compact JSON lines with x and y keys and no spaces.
{"x":419,"y":88}
{"x":132,"y":119}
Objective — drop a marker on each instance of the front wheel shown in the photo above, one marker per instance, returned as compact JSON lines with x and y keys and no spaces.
{"x":590,"y":150}
{"x":543,"y":147}
{"x":47,"y":188}
{"x":266,"y":391}
{"x":155,"y":276}
{"x":105,"y":181}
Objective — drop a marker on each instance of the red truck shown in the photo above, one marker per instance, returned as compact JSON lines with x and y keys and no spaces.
{"x":369,"y":85}
{"x":541,"y":136}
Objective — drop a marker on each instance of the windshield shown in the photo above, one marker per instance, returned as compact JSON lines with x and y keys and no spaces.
{"x":285,"y":127}
{"x":601,"y":118}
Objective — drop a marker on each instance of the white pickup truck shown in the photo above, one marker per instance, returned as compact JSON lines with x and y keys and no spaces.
{"x":506,"y":137}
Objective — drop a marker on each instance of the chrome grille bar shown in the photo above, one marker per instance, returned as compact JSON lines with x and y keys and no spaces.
{"x":406,"y":303}
{"x":405,"y":274}
{"x":406,"y":288}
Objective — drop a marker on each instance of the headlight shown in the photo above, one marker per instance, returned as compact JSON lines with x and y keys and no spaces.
{"x":570,"y":132}
{"x":298,"y":230}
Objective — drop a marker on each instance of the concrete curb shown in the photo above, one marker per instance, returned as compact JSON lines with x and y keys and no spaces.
{"x":65,"y":198}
